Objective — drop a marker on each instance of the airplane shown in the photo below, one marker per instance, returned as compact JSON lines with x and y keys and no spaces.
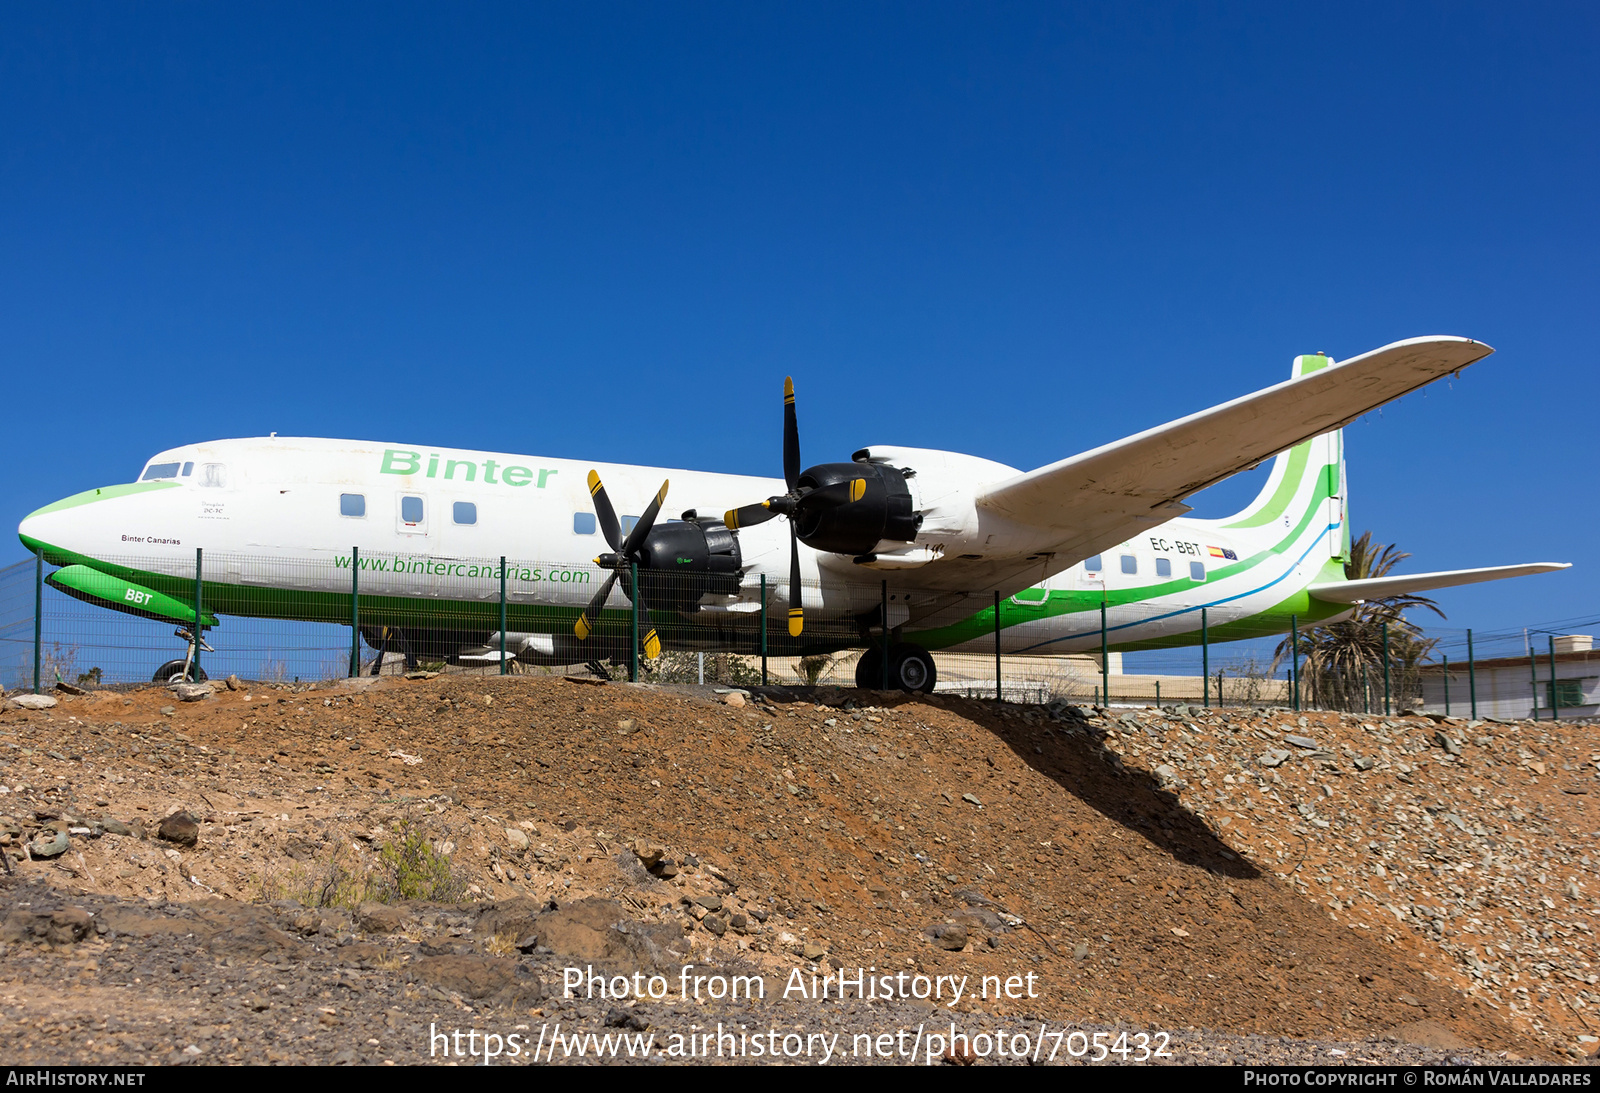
{"x":900,"y":551}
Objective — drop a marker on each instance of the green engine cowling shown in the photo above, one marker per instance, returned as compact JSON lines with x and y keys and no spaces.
{"x":84,"y":583}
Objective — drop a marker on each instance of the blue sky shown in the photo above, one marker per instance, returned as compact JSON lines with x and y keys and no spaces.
{"x":609,"y":231}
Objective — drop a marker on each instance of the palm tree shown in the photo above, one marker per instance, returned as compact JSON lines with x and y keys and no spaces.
{"x":1343,"y":661}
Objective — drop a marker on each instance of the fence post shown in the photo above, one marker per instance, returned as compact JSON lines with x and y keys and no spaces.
{"x":1105,"y":657}
{"x":1533,"y":677}
{"x":1383,"y":630}
{"x":1220,"y":672}
{"x":38,"y":605}
{"x":1472,"y":679}
{"x":1205,"y":665}
{"x":355,"y":612}
{"x":1555,"y":709}
{"x":886,"y":635}
{"x":997,"y":692}
{"x":502,"y":614}
{"x":194,"y":670}
{"x":764,"y":629}
{"x":1294,"y":660}
{"x":633,"y":619}
{"x":1158,"y":692}
{"x":1447,"y":686}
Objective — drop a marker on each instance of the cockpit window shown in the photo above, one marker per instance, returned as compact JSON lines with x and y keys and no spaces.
{"x":188,"y":469}
{"x":156,"y":471}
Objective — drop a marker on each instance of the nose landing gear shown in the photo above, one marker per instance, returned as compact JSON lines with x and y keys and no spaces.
{"x":185,"y":670}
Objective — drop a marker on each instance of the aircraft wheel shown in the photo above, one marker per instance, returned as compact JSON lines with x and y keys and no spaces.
{"x":869,"y":669}
{"x":172,"y":672}
{"x":911,"y":669}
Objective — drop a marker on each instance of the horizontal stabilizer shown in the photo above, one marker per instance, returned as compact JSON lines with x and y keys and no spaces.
{"x":1379,"y":588}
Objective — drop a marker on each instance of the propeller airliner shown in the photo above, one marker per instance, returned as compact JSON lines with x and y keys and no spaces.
{"x":898,"y":549}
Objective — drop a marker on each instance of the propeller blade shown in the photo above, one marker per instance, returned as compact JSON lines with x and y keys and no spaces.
{"x":641,"y":530}
{"x":652,"y":644}
{"x":840,"y":493}
{"x":607,"y":515}
{"x":585,"y":624}
{"x":791,"y":436}
{"x":748,"y":516}
{"x":796,"y":612}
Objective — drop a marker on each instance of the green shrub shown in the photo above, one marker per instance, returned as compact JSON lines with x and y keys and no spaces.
{"x":407,"y":867}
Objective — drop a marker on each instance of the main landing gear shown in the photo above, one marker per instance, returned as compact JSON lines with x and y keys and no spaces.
{"x":397,"y":636}
{"x":911,"y":668}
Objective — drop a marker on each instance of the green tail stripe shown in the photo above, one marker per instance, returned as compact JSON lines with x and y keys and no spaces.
{"x":1287,"y":487}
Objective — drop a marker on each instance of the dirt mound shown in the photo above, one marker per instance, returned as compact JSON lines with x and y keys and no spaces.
{"x":1122,"y":870}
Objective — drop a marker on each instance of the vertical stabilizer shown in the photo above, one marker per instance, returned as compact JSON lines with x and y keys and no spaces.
{"x":1307,"y":482}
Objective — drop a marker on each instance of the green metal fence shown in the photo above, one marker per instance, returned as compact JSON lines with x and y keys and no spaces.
{"x":280,"y":619}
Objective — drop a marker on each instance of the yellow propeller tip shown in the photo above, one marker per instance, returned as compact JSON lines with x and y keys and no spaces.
{"x":795,"y":626}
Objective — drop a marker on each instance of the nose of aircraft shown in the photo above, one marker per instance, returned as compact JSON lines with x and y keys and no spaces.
{"x":32,"y":530}
{"x":94,"y":521}
{"x":56,"y":528}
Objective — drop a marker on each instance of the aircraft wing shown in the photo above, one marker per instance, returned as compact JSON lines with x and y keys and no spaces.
{"x":1056,"y":516}
{"x":1378,"y":588}
{"x":1104,"y":496}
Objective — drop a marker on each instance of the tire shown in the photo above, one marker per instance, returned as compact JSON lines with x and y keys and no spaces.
{"x":911,"y":669}
{"x":172,"y":672}
{"x":869,"y":669}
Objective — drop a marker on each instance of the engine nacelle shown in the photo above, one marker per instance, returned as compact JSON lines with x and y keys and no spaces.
{"x":684,"y":560}
{"x":885,"y":510}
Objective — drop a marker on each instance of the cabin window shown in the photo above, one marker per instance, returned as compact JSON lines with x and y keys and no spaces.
{"x":1197,"y":571}
{"x":1163,"y":567}
{"x":214,"y":475}
{"x":352,"y":504}
{"x":1093,"y":565}
{"x":156,"y":471}
{"x":464,"y":512}
{"x":188,"y":469}
{"x":1130,"y":564}
{"x":583,"y":523}
{"x":411,"y":510}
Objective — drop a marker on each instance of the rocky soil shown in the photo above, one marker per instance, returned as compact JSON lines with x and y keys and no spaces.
{"x":346,"y":873}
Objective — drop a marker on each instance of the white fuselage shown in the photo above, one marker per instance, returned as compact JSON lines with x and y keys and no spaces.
{"x":433,"y":523}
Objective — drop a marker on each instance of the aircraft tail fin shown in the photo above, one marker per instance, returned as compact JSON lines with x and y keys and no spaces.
{"x":1308,"y":476}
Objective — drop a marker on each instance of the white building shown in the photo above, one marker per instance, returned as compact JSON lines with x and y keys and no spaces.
{"x":1519,"y":687}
